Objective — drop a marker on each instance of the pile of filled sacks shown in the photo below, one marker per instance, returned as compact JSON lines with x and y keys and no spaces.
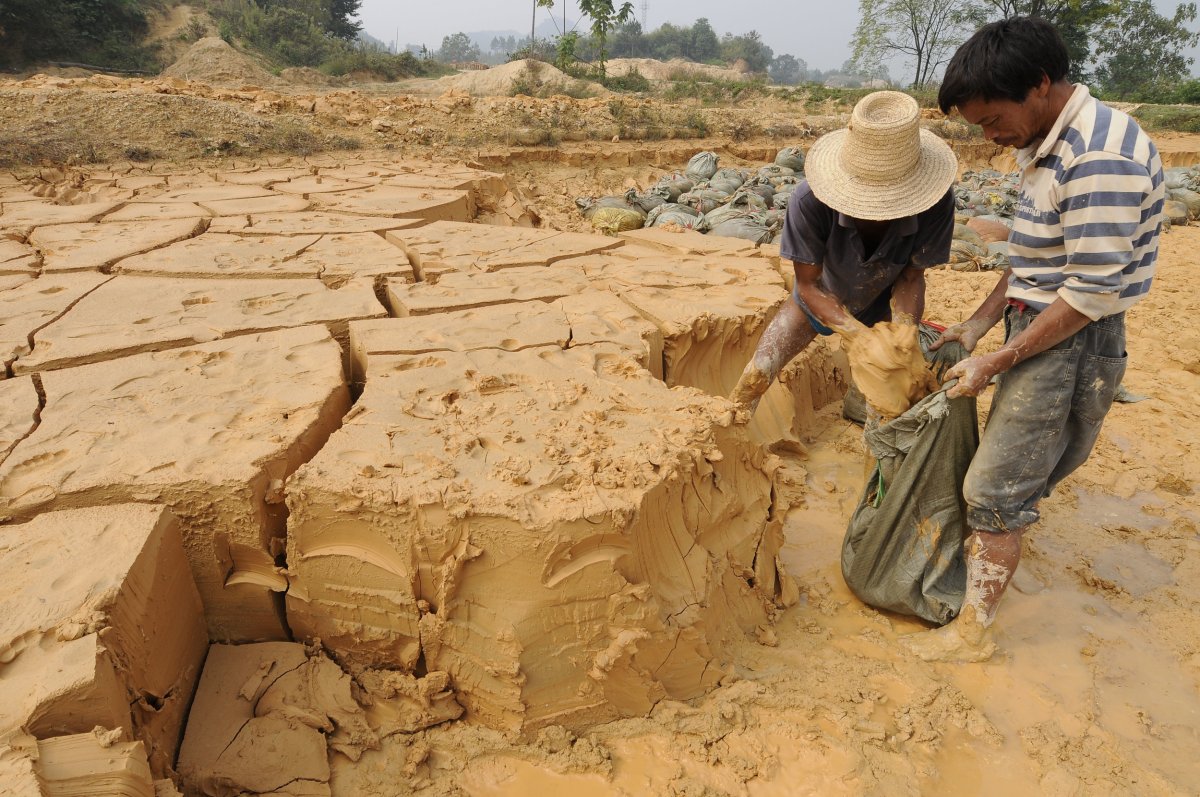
{"x":732,"y":202}
{"x":984,"y":205}
{"x":1183,"y":194}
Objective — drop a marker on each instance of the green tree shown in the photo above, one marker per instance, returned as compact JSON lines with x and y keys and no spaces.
{"x":1139,"y":51}
{"x":458,"y":47}
{"x":704,"y":46}
{"x":605,"y":18}
{"x":924,"y":31}
{"x":628,"y":41}
{"x":748,"y":47}
{"x":787,"y":70}
{"x":341,"y":24}
{"x":1077,"y":21}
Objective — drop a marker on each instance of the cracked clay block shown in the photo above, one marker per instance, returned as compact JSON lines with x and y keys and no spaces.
{"x":582,"y":319}
{"x":83,"y":247}
{"x":134,"y":314}
{"x":31,"y":305}
{"x":568,"y":538}
{"x":100,"y":624}
{"x":17,"y":257}
{"x":690,"y":242}
{"x":92,"y":764}
{"x":212,"y":431}
{"x":306,"y":223}
{"x":444,"y":246}
{"x":18,"y":412}
{"x":458,"y":290}
{"x":400,"y":203}
{"x":22,"y":217}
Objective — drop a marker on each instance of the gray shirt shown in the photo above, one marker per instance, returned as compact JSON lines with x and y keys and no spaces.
{"x":816,"y":233}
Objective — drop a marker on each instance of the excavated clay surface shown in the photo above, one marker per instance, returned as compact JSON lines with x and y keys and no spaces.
{"x":670,"y":272}
{"x":28,"y":307}
{"x":690,"y":242}
{"x":399,"y":202}
{"x":306,"y":223}
{"x":21,"y":217}
{"x":211,"y":431}
{"x":18,"y":412}
{"x":458,"y":290}
{"x":132,"y":314}
{"x":566,"y":537}
{"x":584,"y":319}
{"x":83,"y":247}
{"x":100,"y":624}
{"x":443,"y":246}
{"x":157,"y":211}
{"x":17,"y":257}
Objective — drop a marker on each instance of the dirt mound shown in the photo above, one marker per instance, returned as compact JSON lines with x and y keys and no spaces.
{"x":517,"y":76}
{"x":307,"y":76}
{"x":211,"y":60}
{"x":675,"y":69}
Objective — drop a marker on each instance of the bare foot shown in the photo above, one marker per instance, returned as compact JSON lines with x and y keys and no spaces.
{"x":963,"y":640}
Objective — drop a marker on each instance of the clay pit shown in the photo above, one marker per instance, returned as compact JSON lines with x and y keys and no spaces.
{"x":336,"y":476}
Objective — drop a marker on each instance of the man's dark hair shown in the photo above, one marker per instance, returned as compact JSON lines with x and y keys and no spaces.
{"x":1004,"y":60}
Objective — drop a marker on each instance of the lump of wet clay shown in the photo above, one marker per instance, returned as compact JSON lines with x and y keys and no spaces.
{"x":566,"y":537}
{"x":887,"y":365}
{"x":265,"y":717}
{"x":100,"y":625}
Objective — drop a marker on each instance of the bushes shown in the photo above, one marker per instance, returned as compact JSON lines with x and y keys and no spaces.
{"x":102,"y":32}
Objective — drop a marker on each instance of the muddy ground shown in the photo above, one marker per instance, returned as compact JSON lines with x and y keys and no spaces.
{"x":1096,"y":689}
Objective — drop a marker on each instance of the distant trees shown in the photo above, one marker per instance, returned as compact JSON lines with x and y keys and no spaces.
{"x":1141,"y":50}
{"x":458,"y":47}
{"x":925,"y":32}
{"x":787,"y":70}
{"x":749,"y":48}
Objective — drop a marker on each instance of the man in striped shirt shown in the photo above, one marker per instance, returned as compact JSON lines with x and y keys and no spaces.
{"x":1082,"y":249}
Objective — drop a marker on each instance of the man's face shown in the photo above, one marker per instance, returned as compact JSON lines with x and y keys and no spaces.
{"x":1013,"y":124}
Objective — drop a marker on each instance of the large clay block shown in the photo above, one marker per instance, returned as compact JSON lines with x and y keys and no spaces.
{"x":690,"y":242}
{"x":585,"y":319}
{"x":212,"y":431}
{"x":21,"y":217}
{"x":206,"y":193}
{"x":564,"y":535}
{"x":31,"y":305}
{"x":259,"y":721}
{"x":317,"y":184}
{"x":458,"y":290}
{"x":308,"y":222}
{"x":100,"y":625}
{"x":264,"y":177}
{"x":91,"y":764}
{"x":443,"y":246}
{"x":133,"y":314}
{"x":338,"y":257}
{"x":83,"y":247}
{"x":668,"y":273}
{"x":449,"y":177}
{"x":401,"y":203}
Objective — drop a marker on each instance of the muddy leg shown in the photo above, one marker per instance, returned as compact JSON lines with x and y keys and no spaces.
{"x":991,"y":561}
{"x":786,"y":336}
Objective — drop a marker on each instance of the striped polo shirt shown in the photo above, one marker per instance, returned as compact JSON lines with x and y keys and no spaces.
{"x":1087,"y":222}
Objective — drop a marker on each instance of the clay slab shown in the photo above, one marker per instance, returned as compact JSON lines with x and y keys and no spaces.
{"x":157,"y":211}
{"x":132,"y":314}
{"x":691,"y":242}
{"x":457,"y":290}
{"x":31,"y":305}
{"x":71,"y":577}
{"x":306,"y":223}
{"x":217,"y":254}
{"x":441,"y":247}
{"x":396,"y":202}
{"x":18,"y":407}
{"x":24,"y":216}
{"x":212,"y":431}
{"x":84,"y":247}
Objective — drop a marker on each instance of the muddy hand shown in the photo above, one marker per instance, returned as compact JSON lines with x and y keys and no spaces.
{"x":967,"y":333}
{"x":973,"y":375}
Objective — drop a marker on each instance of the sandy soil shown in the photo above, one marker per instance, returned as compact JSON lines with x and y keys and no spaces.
{"x":1097,"y":686}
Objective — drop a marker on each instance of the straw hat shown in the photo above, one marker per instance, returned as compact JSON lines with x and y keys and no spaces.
{"x":882,"y":165}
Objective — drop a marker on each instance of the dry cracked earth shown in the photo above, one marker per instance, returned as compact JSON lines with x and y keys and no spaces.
{"x":334,"y":476}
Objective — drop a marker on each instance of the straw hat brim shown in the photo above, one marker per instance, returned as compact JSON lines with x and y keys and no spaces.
{"x":880,"y":201}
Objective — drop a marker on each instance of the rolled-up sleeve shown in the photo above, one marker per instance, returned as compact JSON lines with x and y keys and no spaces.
{"x":1100,"y":201}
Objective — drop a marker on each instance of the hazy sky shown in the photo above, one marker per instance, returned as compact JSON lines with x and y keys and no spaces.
{"x":817,"y":31}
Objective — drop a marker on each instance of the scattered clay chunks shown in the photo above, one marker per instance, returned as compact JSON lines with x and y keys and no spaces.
{"x":212,"y":431}
{"x":566,"y":537}
{"x":100,"y":625}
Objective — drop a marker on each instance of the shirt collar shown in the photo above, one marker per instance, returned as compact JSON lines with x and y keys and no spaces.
{"x":904,"y":226}
{"x":1040,"y":149}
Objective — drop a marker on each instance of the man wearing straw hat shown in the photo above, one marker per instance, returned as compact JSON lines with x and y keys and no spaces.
{"x":1082,"y":251}
{"x":875,"y":211}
